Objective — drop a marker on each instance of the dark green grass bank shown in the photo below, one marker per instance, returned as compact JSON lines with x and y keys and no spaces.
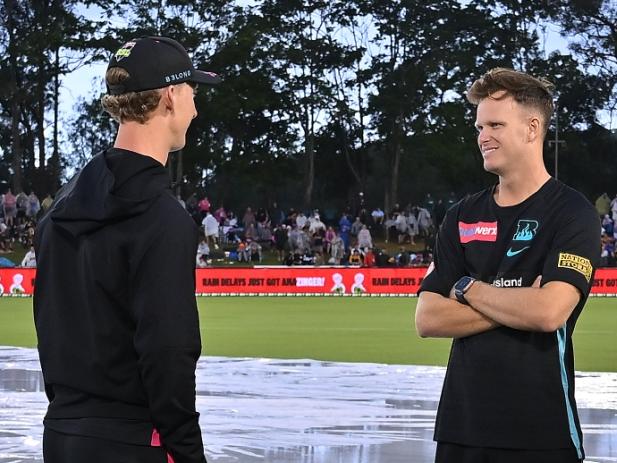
{"x":342,"y":329}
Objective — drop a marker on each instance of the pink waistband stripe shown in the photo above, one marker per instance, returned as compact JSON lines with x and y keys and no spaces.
{"x":155,"y":441}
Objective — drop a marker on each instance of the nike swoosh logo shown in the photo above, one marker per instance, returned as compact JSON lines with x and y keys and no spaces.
{"x":512,"y":253}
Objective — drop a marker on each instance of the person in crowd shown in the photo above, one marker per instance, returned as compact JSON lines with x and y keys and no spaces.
{"x":203,"y":206}
{"x":355,"y":257}
{"x":261,"y":217}
{"x":6,"y":243}
{"x":603,"y":204}
{"x":364,"y":238}
{"x":203,"y":253}
{"x":328,"y":239}
{"x":249,"y":218}
{"x":337,"y":250}
{"x":34,"y":206}
{"x":425,"y":222}
{"x":301,"y":220}
{"x":315,"y":224}
{"x":344,"y":230}
{"x":9,"y":206}
{"x":304,"y":241}
{"x":242,"y":252}
{"x":211,"y":230}
{"x":429,"y":203}
{"x":614,"y":208}
{"x":21,"y":201}
{"x":276,"y":214}
{"x":401,"y":227}
{"x":29,"y":259}
{"x":396,"y":209}
{"x":608,"y":225}
{"x":356,"y":226}
{"x":412,"y":225}
{"x":220,"y":214}
{"x":254,"y":250}
{"x":402,"y":257}
{"x":607,"y":255}
{"x":317,"y":240}
{"x":308,"y":258}
{"x":47,"y":202}
{"x":369,"y":257}
{"x":281,"y":241}
{"x":378,"y":216}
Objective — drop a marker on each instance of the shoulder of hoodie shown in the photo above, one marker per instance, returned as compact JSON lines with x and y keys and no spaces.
{"x":171,"y":215}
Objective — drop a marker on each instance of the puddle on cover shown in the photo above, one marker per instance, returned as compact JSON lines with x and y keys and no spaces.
{"x":300,"y":411}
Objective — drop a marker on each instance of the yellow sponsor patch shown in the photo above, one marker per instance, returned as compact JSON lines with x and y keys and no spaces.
{"x":577,"y":263}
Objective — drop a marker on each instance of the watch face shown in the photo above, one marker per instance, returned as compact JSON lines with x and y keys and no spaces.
{"x":463,"y":284}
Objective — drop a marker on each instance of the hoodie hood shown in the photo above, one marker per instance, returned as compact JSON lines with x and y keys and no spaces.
{"x":114,"y":186}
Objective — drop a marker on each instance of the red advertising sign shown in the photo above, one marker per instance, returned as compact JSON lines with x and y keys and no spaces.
{"x":17,"y":281}
{"x":298,"y":281}
{"x":312,"y":280}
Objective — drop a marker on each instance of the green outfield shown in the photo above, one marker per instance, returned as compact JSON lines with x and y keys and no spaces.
{"x":346,"y":329}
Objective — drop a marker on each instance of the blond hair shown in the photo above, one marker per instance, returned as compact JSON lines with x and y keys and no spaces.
{"x":131,"y":106}
{"x":529,"y":91}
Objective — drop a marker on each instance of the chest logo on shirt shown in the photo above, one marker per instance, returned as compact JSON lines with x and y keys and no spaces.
{"x":479,"y":231}
{"x":525,"y":231}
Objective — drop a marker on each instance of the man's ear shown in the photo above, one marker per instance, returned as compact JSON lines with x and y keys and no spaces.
{"x":168,"y":97}
{"x":534,"y":129}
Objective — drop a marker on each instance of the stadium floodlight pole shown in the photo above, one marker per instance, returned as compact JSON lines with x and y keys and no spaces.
{"x":557,"y":141}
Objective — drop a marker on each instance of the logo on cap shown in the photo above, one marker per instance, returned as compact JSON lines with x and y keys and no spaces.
{"x":124,"y":51}
{"x":178,"y":76}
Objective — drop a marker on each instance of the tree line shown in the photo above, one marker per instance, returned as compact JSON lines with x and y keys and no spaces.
{"x":321,"y":100}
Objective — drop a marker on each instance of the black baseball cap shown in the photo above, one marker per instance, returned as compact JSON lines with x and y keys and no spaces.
{"x":155,"y":62}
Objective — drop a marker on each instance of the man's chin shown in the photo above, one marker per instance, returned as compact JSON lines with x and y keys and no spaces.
{"x":492,"y":169}
{"x":177,"y":147}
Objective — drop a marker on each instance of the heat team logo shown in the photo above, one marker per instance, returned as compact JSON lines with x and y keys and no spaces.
{"x":525,"y":230}
{"x":479,"y":231}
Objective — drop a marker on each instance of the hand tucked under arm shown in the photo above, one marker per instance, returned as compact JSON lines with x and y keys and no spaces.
{"x":535,"y":308}
{"x":440,"y":317}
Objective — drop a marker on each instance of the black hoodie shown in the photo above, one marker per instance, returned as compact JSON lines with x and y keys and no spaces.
{"x":114,"y":307}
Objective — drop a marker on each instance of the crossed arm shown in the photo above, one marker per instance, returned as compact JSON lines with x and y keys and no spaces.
{"x":534,"y":308}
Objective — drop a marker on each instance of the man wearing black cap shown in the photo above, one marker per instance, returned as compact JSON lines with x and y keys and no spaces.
{"x":114,"y":307}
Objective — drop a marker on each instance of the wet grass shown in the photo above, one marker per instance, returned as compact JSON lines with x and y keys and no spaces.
{"x":347,"y":329}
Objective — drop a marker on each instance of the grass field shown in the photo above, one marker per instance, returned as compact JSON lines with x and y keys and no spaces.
{"x":377,"y":330}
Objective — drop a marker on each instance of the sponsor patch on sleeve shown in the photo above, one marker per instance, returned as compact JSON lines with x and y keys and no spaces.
{"x":576,"y":263}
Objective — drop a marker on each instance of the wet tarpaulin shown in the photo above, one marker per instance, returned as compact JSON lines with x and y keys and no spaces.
{"x":300,"y":411}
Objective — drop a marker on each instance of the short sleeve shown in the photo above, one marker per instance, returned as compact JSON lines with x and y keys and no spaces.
{"x":575,"y":251}
{"x":448,"y":259}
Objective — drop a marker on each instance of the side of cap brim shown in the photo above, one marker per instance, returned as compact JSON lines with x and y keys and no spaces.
{"x":205,"y":77}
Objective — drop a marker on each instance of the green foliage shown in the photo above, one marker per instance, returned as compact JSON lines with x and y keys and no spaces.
{"x":320,"y":100}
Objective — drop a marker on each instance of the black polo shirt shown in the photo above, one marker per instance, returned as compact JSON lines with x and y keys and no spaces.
{"x":507,"y":388}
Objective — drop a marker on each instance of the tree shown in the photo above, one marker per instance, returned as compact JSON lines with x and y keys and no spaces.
{"x":40,"y":37}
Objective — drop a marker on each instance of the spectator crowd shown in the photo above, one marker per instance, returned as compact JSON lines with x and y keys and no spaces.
{"x":294,"y":236}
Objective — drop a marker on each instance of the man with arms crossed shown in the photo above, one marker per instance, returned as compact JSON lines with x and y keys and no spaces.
{"x":115,"y":312}
{"x":513,"y":268}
